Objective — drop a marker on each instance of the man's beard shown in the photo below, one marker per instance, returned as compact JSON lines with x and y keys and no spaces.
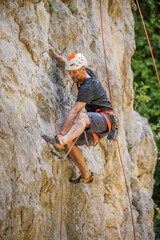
{"x":76,"y":79}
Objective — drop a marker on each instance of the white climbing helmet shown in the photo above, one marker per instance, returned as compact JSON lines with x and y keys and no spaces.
{"x":75,"y":61}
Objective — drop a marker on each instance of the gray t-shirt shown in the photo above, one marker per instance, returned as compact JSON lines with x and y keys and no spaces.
{"x":92,"y":92}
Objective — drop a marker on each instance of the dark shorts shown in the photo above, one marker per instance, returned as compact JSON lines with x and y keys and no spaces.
{"x":98,"y":124}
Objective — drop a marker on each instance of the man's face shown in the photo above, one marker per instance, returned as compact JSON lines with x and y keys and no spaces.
{"x":75,"y":75}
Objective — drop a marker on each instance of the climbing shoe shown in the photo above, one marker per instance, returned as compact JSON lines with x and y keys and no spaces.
{"x":53,"y":140}
{"x":81,"y":179}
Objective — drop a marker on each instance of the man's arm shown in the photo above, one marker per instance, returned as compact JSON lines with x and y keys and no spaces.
{"x":69,"y":121}
{"x":58,"y":58}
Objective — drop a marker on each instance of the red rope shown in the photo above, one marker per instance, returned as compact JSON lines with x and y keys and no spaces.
{"x":148,"y":41}
{"x":62,"y":199}
{"x":105,"y":59}
{"x":130,"y":204}
{"x":127,"y":188}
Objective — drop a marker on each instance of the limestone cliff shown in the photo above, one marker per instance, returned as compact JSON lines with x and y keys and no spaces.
{"x":35,"y":97}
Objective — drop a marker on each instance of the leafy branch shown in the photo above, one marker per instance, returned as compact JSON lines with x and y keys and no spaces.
{"x":52,"y":9}
{"x":141,"y":94}
{"x":73,"y":8}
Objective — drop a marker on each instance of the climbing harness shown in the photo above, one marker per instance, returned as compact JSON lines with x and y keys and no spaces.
{"x":117,"y":139}
{"x":112,"y":128}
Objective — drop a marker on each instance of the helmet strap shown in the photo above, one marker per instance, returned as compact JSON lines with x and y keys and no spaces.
{"x":82,"y":76}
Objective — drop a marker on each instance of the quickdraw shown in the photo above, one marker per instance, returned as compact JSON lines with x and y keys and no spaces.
{"x":112,"y":135}
{"x":54,"y":153}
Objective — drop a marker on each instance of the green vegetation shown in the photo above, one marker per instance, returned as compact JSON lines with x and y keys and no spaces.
{"x":140,"y":94}
{"x":134,"y":203}
{"x":129,"y":148}
{"x":73,"y":8}
{"x":146,"y":86}
{"x":52,"y":9}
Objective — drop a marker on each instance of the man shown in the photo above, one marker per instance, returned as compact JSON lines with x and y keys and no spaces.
{"x":96,"y":122}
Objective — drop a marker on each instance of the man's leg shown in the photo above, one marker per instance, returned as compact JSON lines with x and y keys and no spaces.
{"x":83,"y":121}
{"x":77,"y":157}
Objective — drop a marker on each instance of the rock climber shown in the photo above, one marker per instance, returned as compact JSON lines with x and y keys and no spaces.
{"x":90,"y":126}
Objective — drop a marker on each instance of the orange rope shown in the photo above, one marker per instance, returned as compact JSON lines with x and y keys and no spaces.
{"x":127,"y":188}
{"x":148,"y":41}
{"x":117,"y":140}
{"x":62,"y":199}
{"x":105,"y":59}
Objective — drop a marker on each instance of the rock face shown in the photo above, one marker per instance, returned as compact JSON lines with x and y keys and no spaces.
{"x":35,"y":97}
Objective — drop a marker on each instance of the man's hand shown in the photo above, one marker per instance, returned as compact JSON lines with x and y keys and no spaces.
{"x":58,"y":58}
{"x":51,"y":51}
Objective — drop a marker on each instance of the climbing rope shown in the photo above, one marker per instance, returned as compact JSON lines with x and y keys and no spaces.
{"x":117,"y":139}
{"x":148,"y":41}
{"x":130,"y":204}
{"x":62,"y":199}
{"x":86,"y":139}
{"x":104,"y":51}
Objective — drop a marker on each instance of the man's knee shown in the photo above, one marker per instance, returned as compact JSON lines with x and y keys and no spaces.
{"x":84,"y":119}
